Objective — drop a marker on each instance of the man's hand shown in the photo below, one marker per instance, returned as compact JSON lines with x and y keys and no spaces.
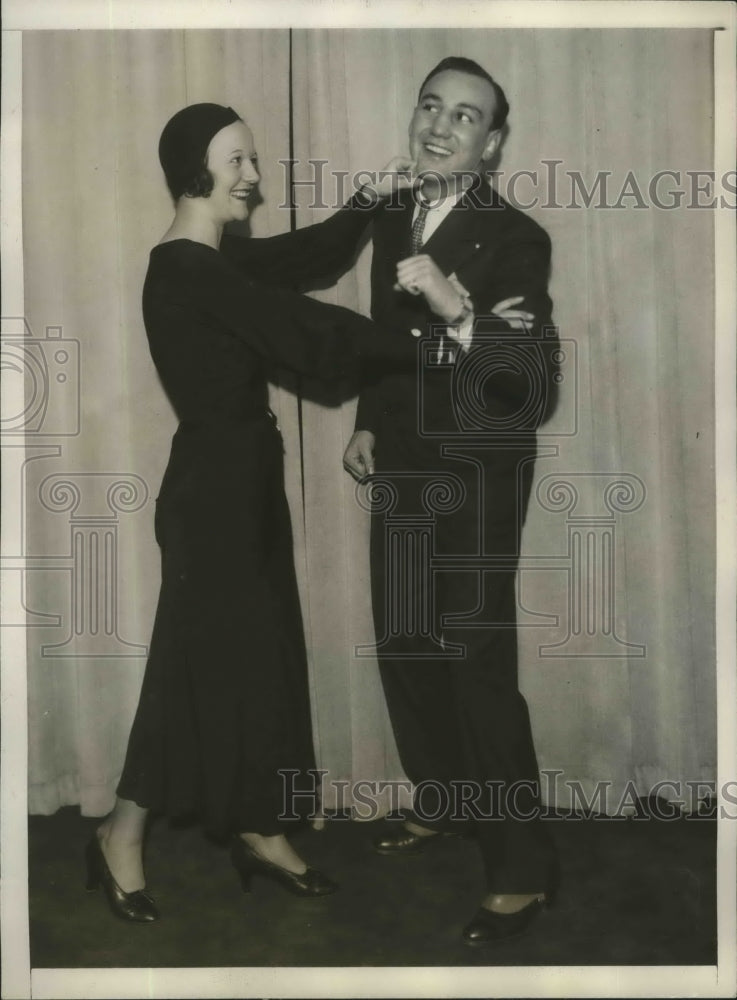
{"x":359,"y":455}
{"x":420,"y":275}
{"x":397,"y":174}
{"x":518,"y":319}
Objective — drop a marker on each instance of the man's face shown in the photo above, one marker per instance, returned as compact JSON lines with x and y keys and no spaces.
{"x":450,"y":128}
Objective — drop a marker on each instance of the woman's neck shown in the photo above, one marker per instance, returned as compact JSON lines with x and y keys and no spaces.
{"x":192,"y":222}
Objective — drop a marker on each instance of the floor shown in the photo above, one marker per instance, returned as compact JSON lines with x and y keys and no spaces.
{"x":633,"y":892}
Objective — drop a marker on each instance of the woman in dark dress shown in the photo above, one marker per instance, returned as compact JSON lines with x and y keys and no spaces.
{"x":224,"y":705}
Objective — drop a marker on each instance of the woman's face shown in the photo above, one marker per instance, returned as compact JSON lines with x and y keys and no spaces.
{"x":231,"y":159}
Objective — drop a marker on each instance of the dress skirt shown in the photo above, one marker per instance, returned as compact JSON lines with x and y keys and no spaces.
{"x":223,"y":720}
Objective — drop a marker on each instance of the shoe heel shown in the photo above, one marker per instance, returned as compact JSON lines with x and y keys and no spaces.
{"x":242,"y":865}
{"x":247,"y":863}
{"x":551,"y":892}
{"x":136,"y":905}
{"x":93,"y":876}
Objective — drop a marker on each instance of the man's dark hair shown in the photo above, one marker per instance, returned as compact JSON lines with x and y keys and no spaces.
{"x":463,"y":65}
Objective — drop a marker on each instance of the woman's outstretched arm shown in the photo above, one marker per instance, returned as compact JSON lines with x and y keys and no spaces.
{"x":323,"y":250}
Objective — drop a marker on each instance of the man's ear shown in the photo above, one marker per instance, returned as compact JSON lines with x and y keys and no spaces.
{"x":492,"y":144}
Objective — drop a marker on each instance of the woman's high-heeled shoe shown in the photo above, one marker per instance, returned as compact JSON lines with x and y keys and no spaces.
{"x":248,"y":863}
{"x":136,"y":906}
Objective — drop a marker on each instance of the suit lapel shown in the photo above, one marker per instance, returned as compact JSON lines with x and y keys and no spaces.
{"x":466,"y":230}
{"x":470,"y":227}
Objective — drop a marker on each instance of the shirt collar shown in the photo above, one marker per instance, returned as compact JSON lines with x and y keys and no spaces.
{"x":445,"y":204}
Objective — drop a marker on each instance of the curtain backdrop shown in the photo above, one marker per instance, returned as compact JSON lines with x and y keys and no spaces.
{"x":616,"y":591}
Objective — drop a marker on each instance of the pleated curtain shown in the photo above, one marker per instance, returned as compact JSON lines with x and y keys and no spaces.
{"x":626,"y":469}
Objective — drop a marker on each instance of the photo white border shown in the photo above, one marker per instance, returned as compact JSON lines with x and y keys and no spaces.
{"x":14,"y":938}
{"x":19,"y":980}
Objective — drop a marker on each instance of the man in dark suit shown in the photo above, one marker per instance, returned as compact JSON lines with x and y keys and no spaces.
{"x":451,"y":259}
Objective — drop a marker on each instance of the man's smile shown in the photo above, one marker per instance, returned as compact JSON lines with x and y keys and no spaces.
{"x":437,"y":150}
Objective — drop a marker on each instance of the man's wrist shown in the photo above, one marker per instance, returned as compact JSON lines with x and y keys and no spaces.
{"x":464,"y":313}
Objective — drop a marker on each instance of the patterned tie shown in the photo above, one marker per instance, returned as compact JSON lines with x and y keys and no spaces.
{"x":418,"y":227}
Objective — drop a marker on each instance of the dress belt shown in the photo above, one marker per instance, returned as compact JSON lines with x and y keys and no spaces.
{"x":227,"y":419}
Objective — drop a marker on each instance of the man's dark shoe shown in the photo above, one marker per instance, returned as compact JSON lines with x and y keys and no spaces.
{"x":403,"y":843}
{"x":488,"y":927}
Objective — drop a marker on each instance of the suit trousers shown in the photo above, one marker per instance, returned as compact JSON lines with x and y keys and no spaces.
{"x":461,"y":725}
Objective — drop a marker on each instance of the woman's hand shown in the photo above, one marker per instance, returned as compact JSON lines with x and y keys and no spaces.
{"x":397,"y":174}
{"x":420,"y":275}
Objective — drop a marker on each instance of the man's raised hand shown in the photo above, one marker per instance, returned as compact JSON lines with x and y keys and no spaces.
{"x":420,"y":275}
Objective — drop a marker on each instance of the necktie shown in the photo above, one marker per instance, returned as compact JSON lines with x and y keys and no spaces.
{"x":418,"y":227}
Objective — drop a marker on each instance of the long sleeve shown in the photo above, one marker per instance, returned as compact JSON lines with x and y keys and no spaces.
{"x":371,"y":403}
{"x":288,"y":329}
{"x":528,"y":355}
{"x":496,"y":255}
{"x":302,"y":257}
{"x":375,"y":397}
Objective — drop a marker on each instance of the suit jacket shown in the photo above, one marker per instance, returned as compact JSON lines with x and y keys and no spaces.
{"x":496,"y":252}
